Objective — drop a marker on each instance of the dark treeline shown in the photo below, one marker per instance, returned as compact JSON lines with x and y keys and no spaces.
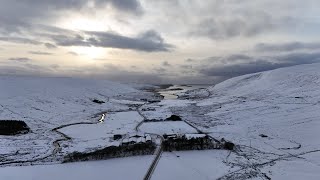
{"x":13,"y":127}
{"x":113,"y":152}
{"x":182,"y":143}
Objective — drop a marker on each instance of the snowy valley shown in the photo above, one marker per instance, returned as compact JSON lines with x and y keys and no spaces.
{"x":272,"y":118}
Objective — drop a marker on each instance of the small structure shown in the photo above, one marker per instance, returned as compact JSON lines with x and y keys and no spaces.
{"x":170,"y":136}
{"x":125,"y":142}
{"x":132,"y":140}
{"x":148,"y":139}
{"x":136,"y":134}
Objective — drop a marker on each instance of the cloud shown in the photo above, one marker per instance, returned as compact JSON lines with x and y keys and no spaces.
{"x":149,"y":41}
{"x":258,"y":64}
{"x":26,"y":16}
{"x":292,"y":46}
{"x":160,"y":70}
{"x":54,"y":66}
{"x":185,"y":66}
{"x":29,"y":9}
{"x":50,"y":46}
{"x":20,"y":59}
{"x":73,"y":53}
{"x":132,"y":6}
{"x":26,"y":69}
{"x":40,"y":53}
{"x":165,"y":63}
{"x":20,"y":40}
{"x":246,"y":25}
{"x":189,"y":60}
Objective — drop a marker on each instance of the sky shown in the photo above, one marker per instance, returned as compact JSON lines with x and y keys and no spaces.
{"x":152,"y":41}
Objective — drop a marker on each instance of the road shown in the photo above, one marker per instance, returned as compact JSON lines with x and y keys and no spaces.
{"x":155,"y":160}
{"x":159,"y":150}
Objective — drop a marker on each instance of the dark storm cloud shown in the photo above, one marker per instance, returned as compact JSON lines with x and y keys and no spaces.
{"x":20,"y":59}
{"x":264,"y":47}
{"x":39,"y":53}
{"x":258,"y":64}
{"x":149,"y":41}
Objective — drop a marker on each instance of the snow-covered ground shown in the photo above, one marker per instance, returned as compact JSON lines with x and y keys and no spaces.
{"x":116,"y":169}
{"x":272,"y":117}
{"x":48,"y":103}
{"x":189,"y":165}
{"x":167,"y":127}
{"x":91,"y":136}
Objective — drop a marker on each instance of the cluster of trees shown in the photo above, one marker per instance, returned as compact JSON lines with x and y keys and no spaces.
{"x":98,"y":101}
{"x":13,"y":127}
{"x":174,"y":118}
{"x":113,"y":152}
{"x":183,"y":143}
{"x":171,"y":118}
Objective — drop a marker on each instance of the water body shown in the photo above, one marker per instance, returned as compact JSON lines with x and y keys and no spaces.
{"x":101,"y":120}
{"x":172,"y":92}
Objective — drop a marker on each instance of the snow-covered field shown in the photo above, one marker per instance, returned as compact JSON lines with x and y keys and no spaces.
{"x":167,"y":127}
{"x":91,"y":136}
{"x":272,"y":117}
{"x":116,"y":169}
{"x":189,"y":165}
{"x":48,"y":103}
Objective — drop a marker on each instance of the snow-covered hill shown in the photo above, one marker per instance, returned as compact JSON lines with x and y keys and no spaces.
{"x":275,"y":118}
{"x":47,"y":103}
{"x":57,"y":100}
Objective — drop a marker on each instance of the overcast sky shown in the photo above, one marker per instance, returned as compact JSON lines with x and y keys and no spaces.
{"x":156,"y":41}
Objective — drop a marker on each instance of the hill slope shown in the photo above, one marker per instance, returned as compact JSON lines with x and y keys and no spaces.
{"x":47,"y":103}
{"x":274,"y":117}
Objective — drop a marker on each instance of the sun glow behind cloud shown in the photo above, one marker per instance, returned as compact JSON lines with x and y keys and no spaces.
{"x":84,"y":24}
{"x":89,"y":52}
